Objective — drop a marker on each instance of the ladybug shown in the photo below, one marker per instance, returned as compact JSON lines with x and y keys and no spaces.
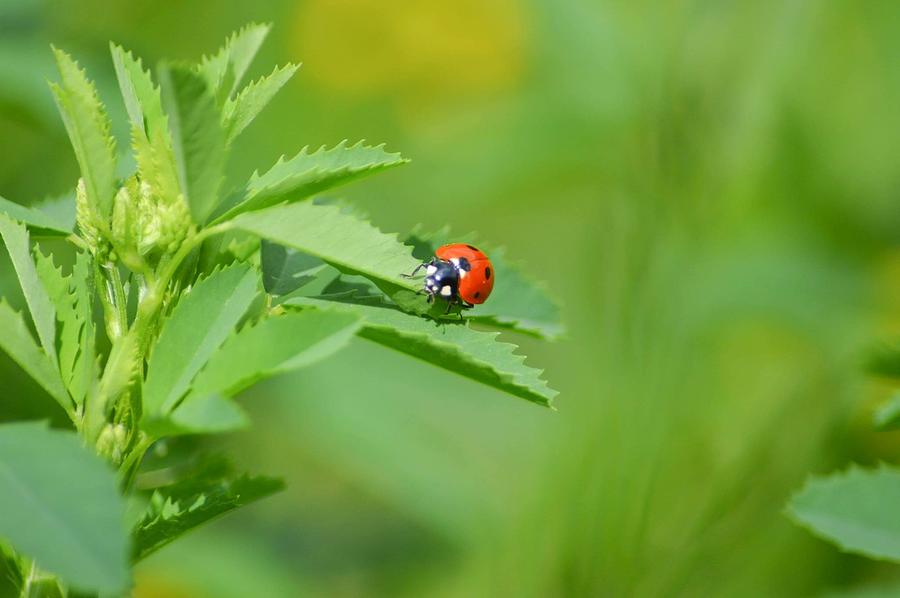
{"x":459,"y":273}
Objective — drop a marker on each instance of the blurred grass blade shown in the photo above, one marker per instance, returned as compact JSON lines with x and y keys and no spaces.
{"x":884,"y":360}
{"x":452,"y":346}
{"x":201,"y":321}
{"x":61,"y":507}
{"x":88,"y":127}
{"x":856,"y":509}
{"x":307,"y":174}
{"x":198,"y":140}
{"x":34,"y":218}
{"x":177,"y":509}
{"x":18,"y":343}
{"x":15,"y":236}
{"x":275,"y":345}
{"x":240,"y":112}
{"x":887,"y":417}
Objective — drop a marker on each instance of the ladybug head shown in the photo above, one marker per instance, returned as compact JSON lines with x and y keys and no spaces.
{"x":441,"y":278}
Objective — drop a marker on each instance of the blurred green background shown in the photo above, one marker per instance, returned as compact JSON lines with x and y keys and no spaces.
{"x":709,"y":188}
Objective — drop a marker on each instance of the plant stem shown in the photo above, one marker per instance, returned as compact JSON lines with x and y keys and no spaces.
{"x":26,"y":588}
{"x":130,"y":348}
{"x":119,"y":299}
{"x":130,"y":465}
{"x":148,"y":310}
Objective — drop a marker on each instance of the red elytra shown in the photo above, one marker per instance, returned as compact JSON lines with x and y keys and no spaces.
{"x":476,"y":282}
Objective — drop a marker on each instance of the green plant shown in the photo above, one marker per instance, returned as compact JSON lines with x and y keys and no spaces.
{"x":856,"y":509}
{"x":177,"y":294}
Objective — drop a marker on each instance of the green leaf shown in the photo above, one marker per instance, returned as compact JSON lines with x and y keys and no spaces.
{"x":201,"y":321}
{"x":17,"y":342}
{"x":61,"y":506}
{"x":240,"y":112}
{"x":70,"y":325}
{"x":206,"y":415}
{"x":150,"y":127}
{"x":198,"y":139}
{"x":85,"y":370}
{"x":285,"y":270}
{"x":88,"y":127}
{"x":272,"y":346}
{"x":307,"y":174}
{"x":15,"y":236}
{"x":856,"y":509}
{"x":225,"y":70}
{"x":178,"y":509}
{"x":344,"y":241}
{"x":516,"y":303}
{"x":141,"y":96}
{"x":34,"y":218}
{"x":452,"y":346}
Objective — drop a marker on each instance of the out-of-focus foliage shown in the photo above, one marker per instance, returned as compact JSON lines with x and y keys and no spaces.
{"x":710,"y":190}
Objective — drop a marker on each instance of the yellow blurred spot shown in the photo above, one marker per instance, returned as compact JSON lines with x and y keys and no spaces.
{"x":156,"y":587}
{"x":430,"y":48}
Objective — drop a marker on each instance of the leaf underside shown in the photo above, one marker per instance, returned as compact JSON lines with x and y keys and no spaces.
{"x":342,"y":240}
{"x":179,"y":508}
{"x":275,"y":345}
{"x":453,"y":346}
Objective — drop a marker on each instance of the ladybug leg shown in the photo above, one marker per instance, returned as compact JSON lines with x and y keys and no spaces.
{"x":419,"y":267}
{"x":449,"y":307}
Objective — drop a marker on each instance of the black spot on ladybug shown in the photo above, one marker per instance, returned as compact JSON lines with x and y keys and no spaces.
{"x":487,"y":273}
{"x":464,"y":264}
{"x":473,"y":248}
{"x":477,"y":294}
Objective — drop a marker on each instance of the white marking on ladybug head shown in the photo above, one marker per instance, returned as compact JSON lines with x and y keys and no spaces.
{"x":430,"y":269}
{"x":446,"y":291}
{"x":463,"y":273}
{"x":455,"y":261}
